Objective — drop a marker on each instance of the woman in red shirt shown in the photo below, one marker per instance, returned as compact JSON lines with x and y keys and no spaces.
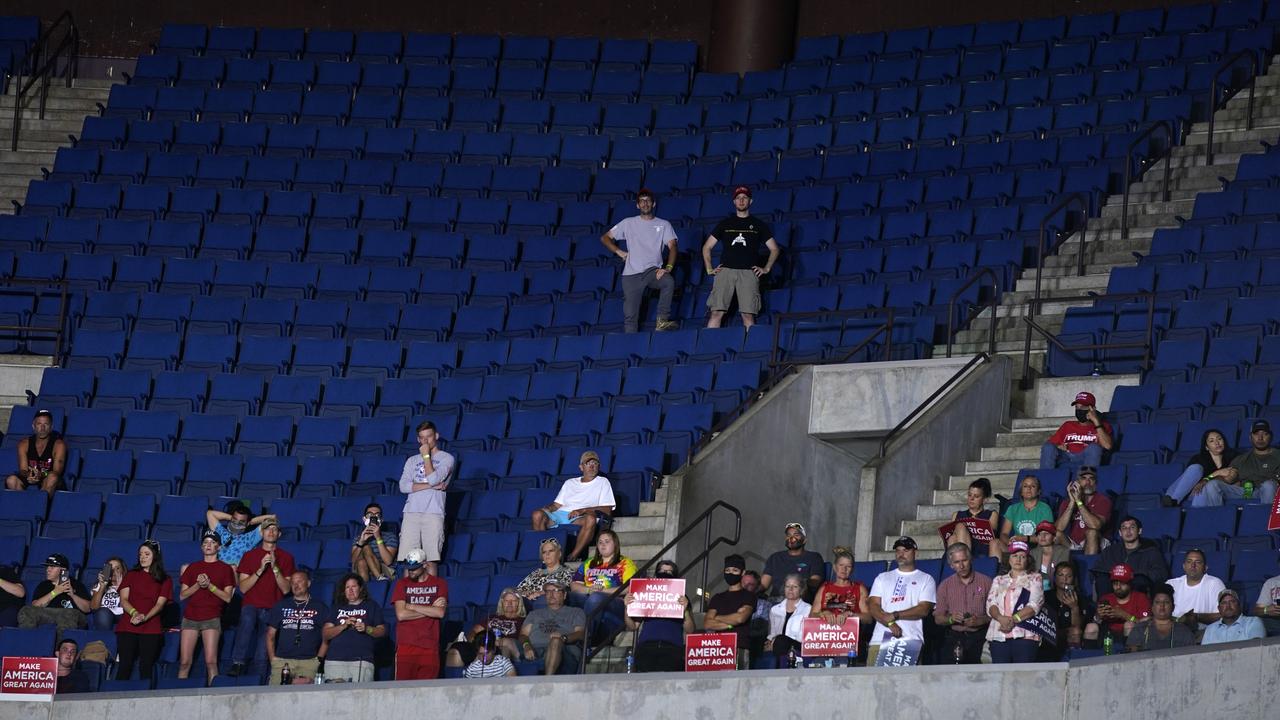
{"x":842,"y":598}
{"x":207,"y":587}
{"x":145,"y":590}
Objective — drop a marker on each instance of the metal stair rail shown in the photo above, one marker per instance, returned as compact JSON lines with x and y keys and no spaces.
{"x":1028,"y":375}
{"x":39,"y":288}
{"x":1128,"y":166}
{"x":1226,"y":64}
{"x":45,"y":64}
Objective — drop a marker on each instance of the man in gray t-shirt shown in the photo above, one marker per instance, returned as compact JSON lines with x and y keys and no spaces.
{"x":554,"y":632}
{"x":645,"y":236}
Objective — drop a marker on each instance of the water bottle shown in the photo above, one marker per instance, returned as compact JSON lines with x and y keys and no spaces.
{"x":958,"y":653}
{"x":791,"y":658}
{"x":853,"y":655}
{"x":286,"y":675}
{"x":319,"y":678}
{"x":631,"y":662}
{"x":1248,"y":489}
{"x":1106,"y":644}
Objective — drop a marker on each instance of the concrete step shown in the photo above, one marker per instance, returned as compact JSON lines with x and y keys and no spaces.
{"x":1008,"y":335}
{"x":630,"y":539}
{"x":1072,"y":282}
{"x":1015,"y":452}
{"x":1026,"y":438}
{"x":640,"y":524}
{"x":652,"y":509}
{"x":1003,"y":347}
{"x":1048,"y":309}
{"x":982,"y":467}
{"x":81,"y":101}
{"x":1172,"y":207}
{"x":1043,"y":424}
{"x":37,"y":132}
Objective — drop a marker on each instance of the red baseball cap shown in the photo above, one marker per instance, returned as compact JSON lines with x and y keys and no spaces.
{"x":1046,"y":526}
{"x":1084,"y":398}
{"x":1122,"y":572}
{"x":742,"y":190}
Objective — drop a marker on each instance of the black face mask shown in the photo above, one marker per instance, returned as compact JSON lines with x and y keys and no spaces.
{"x":664,"y":574}
{"x":732,"y":578}
{"x":1082,"y":415}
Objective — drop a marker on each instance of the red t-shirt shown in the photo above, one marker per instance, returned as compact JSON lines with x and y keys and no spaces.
{"x":1099,"y":504}
{"x":143,"y":593}
{"x":204,"y":605}
{"x":1077,"y":435}
{"x":423,"y":632}
{"x":264,"y":593}
{"x":842,"y":599}
{"x":1138,"y":605}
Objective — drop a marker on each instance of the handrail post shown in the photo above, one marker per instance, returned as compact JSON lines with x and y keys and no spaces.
{"x":1213,"y":96}
{"x":1128,"y":170}
{"x":42,"y":59}
{"x":1062,"y":204}
{"x":951,"y":308}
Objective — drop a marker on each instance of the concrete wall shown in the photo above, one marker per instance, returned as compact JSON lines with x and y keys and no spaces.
{"x":929,"y":451}
{"x":869,"y":399}
{"x":1235,"y":681}
{"x":1052,"y":397}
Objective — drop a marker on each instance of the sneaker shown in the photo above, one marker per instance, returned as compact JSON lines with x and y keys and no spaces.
{"x":665,"y":325}
{"x":1167,"y":501}
{"x":235,"y":670}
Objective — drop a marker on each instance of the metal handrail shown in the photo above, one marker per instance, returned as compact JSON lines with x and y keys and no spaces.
{"x":1213,"y":96}
{"x":704,"y":518}
{"x":1128,"y":169}
{"x":990,"y":303}
{"x":919,"y":409}
{"x":63,"y":289}
{"x":46,"y":69}
{"x":1033,"y":326}
{"x":1065,"y":202}
{"x":781,"y":318}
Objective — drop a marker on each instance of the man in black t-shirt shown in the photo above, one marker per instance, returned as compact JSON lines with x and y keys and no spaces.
{"x":58,"y":599}
{"x":71,"y":679}
{"x":739,"y":271}
{"x":795,"y":559}
{"x":12,"y":594}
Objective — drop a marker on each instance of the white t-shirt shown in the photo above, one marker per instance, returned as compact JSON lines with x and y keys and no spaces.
{"x":576,"y":494}
{"x":110,"y":599}
{"x":645,"y":242}
{"x":902,"y":591}
{"x":1202,"y":598}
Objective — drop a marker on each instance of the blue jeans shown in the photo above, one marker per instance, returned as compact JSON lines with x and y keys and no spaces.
{"x":608,"y":620}
{"x":1217,"y":493}
{"x":250,"y":645}
{"x":1051,"y":457}
{"x":1014,"y":651}
{"x":103,"y":619}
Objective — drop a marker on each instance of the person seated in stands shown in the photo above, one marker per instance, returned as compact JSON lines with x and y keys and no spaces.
{"x":842,"y":597}
{"x":207,"y":587}
{"x":553,"y":568}
{"x":597,"y":579}
{"x":352,"y":629}
{"x":263,"y":577}
{"x":146,"y":589}
{"x":373,"y":552}
{"x":421,"y":601}
{"x":975,"y":499}
{"x":105,"y":608}
{"x":13,"y":594}
{"x":1213,"y":462}
{"x":1195,"y":594}
{"x":1232,"y":625}
{"x":42,"y":457}
{"x":1160,"y":630}
{"x":795,"y":559}
{"x":1083,"y":515}
{"x":1047,"y":552}
{"x":660,"y":641}
{"x":1078,"y":442}
{"x":900,"y":599}
{"x":295,"y":632}
{"x":1069,"y":608}
{"x":1268,"y":607}
{"x":1022,"y":518}
{"x":1119,"y":609}
{"x":962,"y":609}
{"x":71,"y":678}
{"x":1255,"y":470}
{"x":730,"y":610}
{"x":786,"y":622}
{"x":584,"y":501}
{"x":504,"y":621}
{"x":1143,"y":556}
{"x":489,"y":662}
{"x":238,"y":530}
{"x":554,"y":633}
{"x":59,"y":598}
{"x":759,"y":626}
{"x":1014,"y":598}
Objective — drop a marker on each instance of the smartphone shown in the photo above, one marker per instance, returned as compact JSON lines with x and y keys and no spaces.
{"x":62,"y":576}
{"x":1067,"y":588}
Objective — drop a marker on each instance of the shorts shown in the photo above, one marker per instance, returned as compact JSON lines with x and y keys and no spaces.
{"x":731,"y":281}
{"x":348,"y":670}
{"x":414,"y":663}
{"x":558,"y":518}
{"x":201,"y":625}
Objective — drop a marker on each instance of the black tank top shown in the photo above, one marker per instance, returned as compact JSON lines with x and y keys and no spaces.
{"x":42,"y":462}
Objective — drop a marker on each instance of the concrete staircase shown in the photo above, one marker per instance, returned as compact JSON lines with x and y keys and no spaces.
{"x":40,"y":139}
{"x":1104,"y":249}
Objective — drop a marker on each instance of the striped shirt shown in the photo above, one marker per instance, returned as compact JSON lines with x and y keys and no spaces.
{"x":498,"y":668}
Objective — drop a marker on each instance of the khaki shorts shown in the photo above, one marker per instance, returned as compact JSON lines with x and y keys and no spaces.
{"x":202,"y":625}
{"x":729,"y":282}
{"x":304,"y":668}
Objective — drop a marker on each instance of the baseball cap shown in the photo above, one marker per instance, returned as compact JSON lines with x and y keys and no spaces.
{"x":1122,"y":572}
{"x":646,"y":192}
{"x":588,"y":455}
{"x":797,"y":526}
{"x":742,"y":190}
{"x":1017,"y":546}
{"x":906,"y":541}
{"x":43,"y":413}
{"x":735,"y":561}
{"x":1087,"y":470}
{"x":1228,"y":591}
{"x":57,"y":560}
{"x":1084,"y":398}
{"x":557,"y":583}
{"x":209,"y":534}
{"x":1260,"y":425}
{"x":269,"y":522}
{"x":1046,"y":526}
{"x":415,"y":558}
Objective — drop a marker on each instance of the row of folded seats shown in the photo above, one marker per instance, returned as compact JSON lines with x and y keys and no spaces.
{"x":1224,"y":401}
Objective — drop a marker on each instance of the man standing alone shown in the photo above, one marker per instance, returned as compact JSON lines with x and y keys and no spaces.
{"x":739,"y":271}
{"x":645,"y":235}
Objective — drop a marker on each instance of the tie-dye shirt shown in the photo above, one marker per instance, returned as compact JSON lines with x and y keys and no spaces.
{"x":605,"y":576}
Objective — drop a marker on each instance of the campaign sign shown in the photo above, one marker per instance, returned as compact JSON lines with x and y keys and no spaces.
{"x":711,"y":651}
{"x":822,"y":639}
{"x":1273,"y":522}
{"x":899,"y":653}
{"x":28,"y":678}
{"x":656,"y":598}
{"x":979,"y":530}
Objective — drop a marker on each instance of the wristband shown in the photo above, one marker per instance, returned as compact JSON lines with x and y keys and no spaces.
{"x":1079,"y":504}
{"x":1133,"y":618}
{"x":379,"y":541}
{"x":892,"y":623}
{"x":1017,"y":616}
